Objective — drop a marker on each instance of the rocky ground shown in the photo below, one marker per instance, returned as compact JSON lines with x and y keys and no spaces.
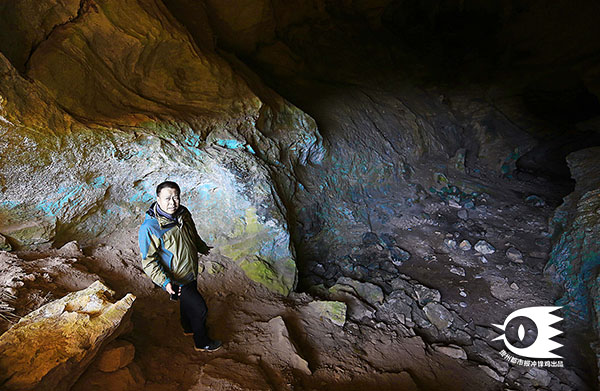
{"x":271,"y":342}
{"x":418,"y":302}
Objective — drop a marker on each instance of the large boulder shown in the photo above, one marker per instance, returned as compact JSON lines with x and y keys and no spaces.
{"x":51,"y":347}
{"x":27,"y":284}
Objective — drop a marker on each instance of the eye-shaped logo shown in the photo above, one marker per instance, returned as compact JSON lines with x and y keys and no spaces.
{"x":527,"y":332}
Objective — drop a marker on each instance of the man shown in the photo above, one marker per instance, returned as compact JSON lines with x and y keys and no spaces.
{"x":169,"y":244}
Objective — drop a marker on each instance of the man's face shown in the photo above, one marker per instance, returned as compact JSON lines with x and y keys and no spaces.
{"x":168,"y":200}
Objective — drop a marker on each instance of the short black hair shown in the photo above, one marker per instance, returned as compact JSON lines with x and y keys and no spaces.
{"x":168,"y":185}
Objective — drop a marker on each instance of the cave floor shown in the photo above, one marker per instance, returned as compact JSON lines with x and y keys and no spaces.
{"x":374,"y":349}
{"x":368,"y":352}
{"x":439,"y":235}
{"x":353,"y":357}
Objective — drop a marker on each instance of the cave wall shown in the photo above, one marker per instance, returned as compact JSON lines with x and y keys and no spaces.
{"x":575,"y":259}
{"x":103,"y":99}
{"x":451,"y":99}
{"x":418,"y":98}
{"x":311,"y":137}
{"x":116,"y":97}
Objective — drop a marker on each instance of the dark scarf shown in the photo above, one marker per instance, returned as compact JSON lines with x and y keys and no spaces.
{"x":165,"y":214}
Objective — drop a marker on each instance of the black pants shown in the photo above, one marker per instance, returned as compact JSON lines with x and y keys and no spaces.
{"x":193,"y":313}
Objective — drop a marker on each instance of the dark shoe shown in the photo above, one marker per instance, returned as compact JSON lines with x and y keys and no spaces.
{"x":212,"y":346}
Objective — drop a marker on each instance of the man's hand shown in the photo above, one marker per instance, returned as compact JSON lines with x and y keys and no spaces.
{"x":169,"y":288}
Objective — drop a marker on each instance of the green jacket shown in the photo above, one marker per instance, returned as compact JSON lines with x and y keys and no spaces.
{"x":170,"y":248}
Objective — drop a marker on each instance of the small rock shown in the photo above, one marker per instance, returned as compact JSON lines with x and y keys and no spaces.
{"x":514,"y":286}
{"x":491,"y":373}
{"x":483,"y":259}
{"x":318,"y":269}
{"x":465,"y":245}
{"x":71,"y":249}
{"x":116,"y":355}
{"x":459,"y":159}
{"x":426,"y":295}
{"x":454,"y":204}
{"x":438,"y":315}
{"x":399,"y":255}
{"x":469,"y":205}
{"x":335,"y":311}
{"x":484,"y":247}
{"x":501,"y":290}
{"x":463,"y":293}
{"x":4,"y":245}
{"x":514,"y":255}
{"x":388,"y":239}
{"x":534,"y":200}
{"x":11,"y":291}
{"x":396,"y":309}
{"x":463,"y":214}
{"x":540,"y":376}
{"x":370,"y":238}
{"x":450,"y":243}
{"x":459,"y":271}
{"x":440,"y":178}
{"x":371,"y":293}
{"x":452,"y":351}
{"x":430,"y":258}
{"x":463,"y":304}
{"x":215,"y":267}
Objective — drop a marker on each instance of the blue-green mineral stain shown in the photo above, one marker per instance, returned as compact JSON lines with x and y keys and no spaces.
{"x":98,"y":182}
{"x":142,"y":196}
{"x":69,"y":195}
{"x":230,"y":144}
{"x":235,"y":144}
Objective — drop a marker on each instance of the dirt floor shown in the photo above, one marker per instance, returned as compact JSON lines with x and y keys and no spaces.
{"x":317,"y":355}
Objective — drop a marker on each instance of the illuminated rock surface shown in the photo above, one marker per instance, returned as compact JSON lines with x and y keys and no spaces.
{"x":82,"y":160}
{"x":49,"y":348}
